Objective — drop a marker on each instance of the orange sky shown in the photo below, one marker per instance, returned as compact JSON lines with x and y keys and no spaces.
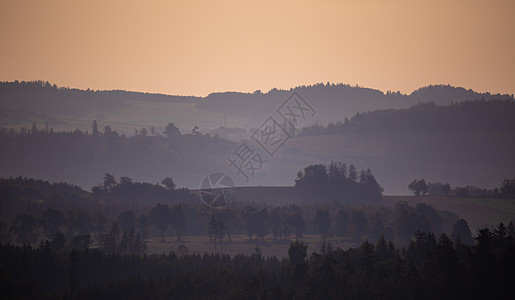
{"x":197,"y":47}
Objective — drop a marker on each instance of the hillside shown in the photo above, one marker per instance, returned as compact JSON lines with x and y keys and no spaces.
{"x":465,"y":143}
{"x":22,"y":103}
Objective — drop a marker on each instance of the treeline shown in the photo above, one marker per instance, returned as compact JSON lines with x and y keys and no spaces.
{"x":26,"y":195}
{"x":420,"y":187}
{"x":476,"y":117}
{"x":429,"y":267}
{"x":42,"y":153}
{"x":336,"y":182}
{"x":117,"y":233}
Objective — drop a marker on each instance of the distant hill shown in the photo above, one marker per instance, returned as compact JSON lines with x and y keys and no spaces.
{"x":334,"y":102}
{"x":43,"y":97}
{"x":68,"y":108}
{"x":466,"y":142}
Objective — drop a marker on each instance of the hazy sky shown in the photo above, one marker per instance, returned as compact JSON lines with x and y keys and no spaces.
{"x":198,"y":47}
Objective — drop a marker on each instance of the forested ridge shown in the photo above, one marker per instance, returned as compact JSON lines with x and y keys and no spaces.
{"x":41,"y":97}
{"x":477,"y":117}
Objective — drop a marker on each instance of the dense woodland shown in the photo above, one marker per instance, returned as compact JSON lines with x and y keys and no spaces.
{"x":59,"y":241}
{"x":429,"y":267}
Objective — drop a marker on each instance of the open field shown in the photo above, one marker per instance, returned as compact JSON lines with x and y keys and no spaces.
{"x":239,"y":244}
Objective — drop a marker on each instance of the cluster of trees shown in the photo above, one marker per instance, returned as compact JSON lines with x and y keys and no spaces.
{"x":420,"y":187}
{"x":133,"y":192}
{"x":428,"y":267}
{"x":127,"y":231}
{"x":319,"y":183}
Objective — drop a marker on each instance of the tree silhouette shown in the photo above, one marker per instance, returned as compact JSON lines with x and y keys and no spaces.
{"x":24,"y":228}
{"x":168,"y":182}
{"x":94,"y":128}
{"x":51,"y":220}
{"x":461,"y":229}
{"x":446,"y":189}
{"x":297,"y":252}
{"x":109,"y":182}
{"x":217,"y":229}
{"x":161,"y":217}
{"x":418,"y":187}
{"x":298,"y":224}
{"x":171,"y":130}
{"x":110,"y":241}
{"x":127,"y":220}
{"x":178,"y":221}
{"x":322,"y":222}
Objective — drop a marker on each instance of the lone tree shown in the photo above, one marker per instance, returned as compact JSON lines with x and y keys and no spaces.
{"x":178,"y":221}
{"x":418,"y":187}
{"x":94,"y":128}
{"x":161,"y":216}
{"x":297,"y":252}
{"x":109,"y":182}
{"x":171,"y":130}
{"x":127,"y":220}
{"x":446,"y":188}
{"x":217,"y":228}
{"x":168,"y":182}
